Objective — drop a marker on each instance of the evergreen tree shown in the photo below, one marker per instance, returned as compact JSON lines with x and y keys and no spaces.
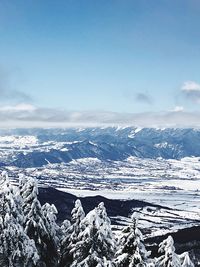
{"x":170,"y":258}
{"x":18,"y":200}
{"x":66,"y":256}
{"x":71,"y":232}
{"x":22,"y":182}
{"x":77,"y":215}
{"x":131,"y":250}
{"x":53,"y":230}
{"x":96,"y":245}
{"x":185,"y":260}
{"x":36,"y":225}
{"x":30,"y":236}
{"x":16,"y":249}
{"x":109,"y":243}
{"x":65,"y":226}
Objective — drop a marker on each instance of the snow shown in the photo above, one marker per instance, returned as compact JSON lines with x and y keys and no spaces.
{"x":185,"y":259}
{"x":85,"y":161}
{"x":18,"y":141}
{"x":92,"y":143}
{"x":93,"y":232}
{"x":133,"y":132}
{"x":170,"y":258}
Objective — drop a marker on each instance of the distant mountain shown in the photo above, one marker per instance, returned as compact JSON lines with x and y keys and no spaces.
{"x":38,"y":147}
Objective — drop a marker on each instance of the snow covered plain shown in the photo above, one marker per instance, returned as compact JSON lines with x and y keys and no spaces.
{"x":169,"y":182}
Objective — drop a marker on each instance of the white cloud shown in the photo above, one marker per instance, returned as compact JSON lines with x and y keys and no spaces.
{"x":178,"y":109}
{"x":191,"y":90}
{"x":26,"y":115}
{"x":18,"y":108}
{"x":190,"y":86}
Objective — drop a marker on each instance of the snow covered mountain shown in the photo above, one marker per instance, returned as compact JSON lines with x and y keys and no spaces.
{"x":39,"y":147}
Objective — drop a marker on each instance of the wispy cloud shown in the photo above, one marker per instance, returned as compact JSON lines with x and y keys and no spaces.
{"x":18,"y":108}
{"x":191,"y":89}
{"x":138,"y":97}
{"x":9,"y":92}
{"x":178,"y":109}
{"x":26,"y":115}
{"x":144,"y":98}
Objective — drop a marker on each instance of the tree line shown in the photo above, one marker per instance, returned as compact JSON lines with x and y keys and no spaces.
{"x":30,"y":236}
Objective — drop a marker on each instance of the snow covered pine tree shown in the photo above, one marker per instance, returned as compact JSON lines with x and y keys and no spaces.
{"x":16,"y":249}
{"x":170,"y":258}
{"x":53,"y":230}
{"x":71,"y":235}
{"x":96,"y":245}
{"x":30,"y":237}
{"x":132,"y":252}
{"x":185,"y":260}
{"x":37,"y":226}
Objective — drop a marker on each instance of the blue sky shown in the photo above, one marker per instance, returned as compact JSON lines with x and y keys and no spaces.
{"x":92,"y":56}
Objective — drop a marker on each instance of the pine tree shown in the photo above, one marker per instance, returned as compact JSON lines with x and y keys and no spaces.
{"x":71,"y":232}
{"x":49,"y":212}
{"x":185,"y":260}
{"x":106,"y":232}
{"x":18,"y":199}
{"x":36,"y":225}
{"x":131,"y":250}
{"x":22,"y":182}
{"x":96,"y":246}
{"x":65,"y":226}
{"x":66,"y":256}
{"x":16,"y":249}
{"x":53,"y":230}
{"x":77,"y":215}
{"x":170,"y":258}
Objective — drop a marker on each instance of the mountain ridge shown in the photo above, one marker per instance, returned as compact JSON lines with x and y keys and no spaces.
{"x":38,"y":147}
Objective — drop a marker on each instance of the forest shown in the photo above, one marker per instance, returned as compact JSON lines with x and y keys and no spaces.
{"x":31,"y":237}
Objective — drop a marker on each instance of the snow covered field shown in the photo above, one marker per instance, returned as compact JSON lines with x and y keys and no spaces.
{"x":172,"y":183}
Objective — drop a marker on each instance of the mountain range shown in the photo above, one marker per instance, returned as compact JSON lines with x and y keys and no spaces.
{"x":39,"y":147}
